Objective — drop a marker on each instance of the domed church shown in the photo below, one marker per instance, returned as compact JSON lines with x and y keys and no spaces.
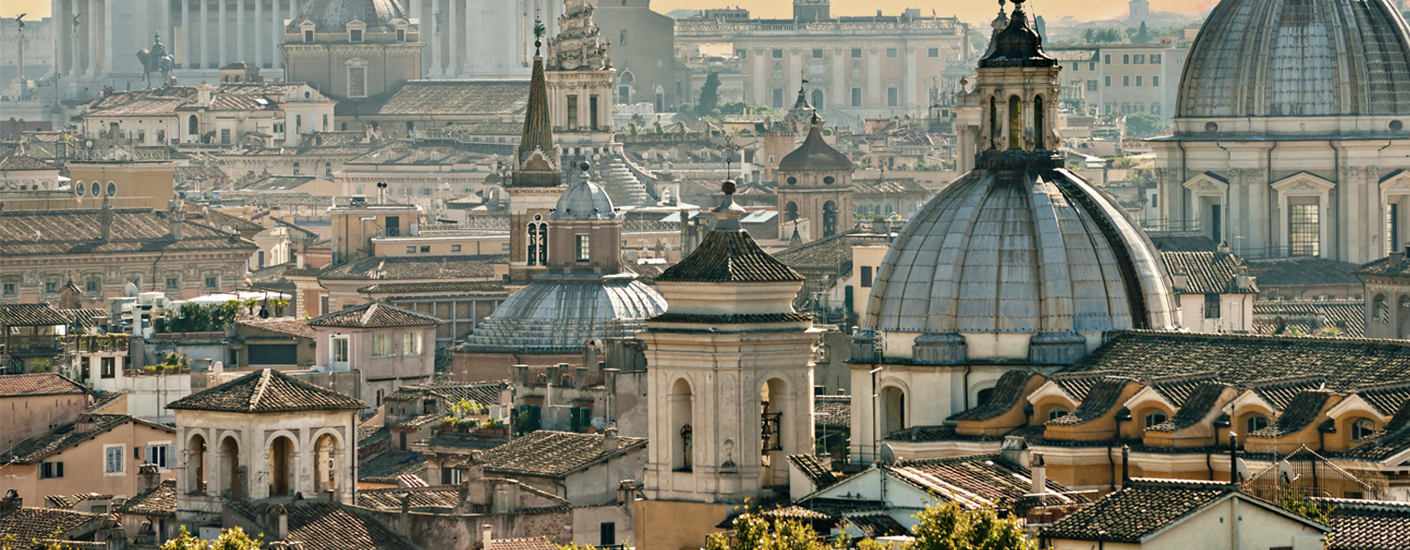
{"x":1290,"y":132}
{"x":1017,"y":264}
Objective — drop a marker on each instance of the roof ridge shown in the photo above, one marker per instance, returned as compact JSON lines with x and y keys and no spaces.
{"x":259,"y":388}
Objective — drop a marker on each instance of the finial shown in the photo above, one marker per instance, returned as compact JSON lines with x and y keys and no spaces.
{"x":728,"y":187}
{"x":583,"y":168}
{"x":539,"y":31}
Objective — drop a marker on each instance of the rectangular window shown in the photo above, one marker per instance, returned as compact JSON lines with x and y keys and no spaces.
{"x":455,"y":248}
{"x":340,"y":350}
{"x":425,"y":249}
{"x":1304,"y":228}
{"x":1106,"y":59}
{"x":51,"y":287}
{"x":817,"y":53}
{"x":411,"y":343}
{"x":1125,"y":59}
{"x":584,"y":253}
{"x":777,"y":53}
{"x":1125,"y":81}
{"x":891,"y":53}
{"x":1155,"y":59}
{"x":411,"y":249}
{"x":10,"y":289}
{"x":401,"y":35}
{"x":933,"y":53}
{"x":1091,"y":85}
{"x":93,"y":285}
{"x":325,"y":123}
{"x":1140,"y":59}
{"x":892,"y":97}
{"x":225,"y":136}
{"x":1211,"y":306}
{"x":572,"y":121}
{"x":393,"y":223}
{"x":355,"y":35}
{"x":856,"y":53}
{"x":778,"y":98}
{"x":856,"y":97}
{"x":357,"y":81}
{"x":162,"y":455}
{"x":592,"y":113}
{"x":866,"y":276}
{"x":1392,"y":227}
{"x":1155,"y":107}
{"x":51,"y":470}
{"x":1138,"y":80}
{"x":113,"y":458}
{"x":173,"y":283}
{"x":1108,"y":81}
{"x":298,"y":127}
{"x":109,"y":366}
{"x":381,"y":345}
{"x":1092,"y":65}
{"x":210,"y":282}
{"x":1155,"y":80}
{"x":308,"y":36}
{"x":607,"y":534}
{"x":742,"y":54}
{"x":624,"y":94}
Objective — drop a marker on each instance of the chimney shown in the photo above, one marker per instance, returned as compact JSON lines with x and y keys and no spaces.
{"x":84,"y":424}
{"x":281,"y":525}
{"x":105,"y":220}
{"x":590,"y":356}
{"x":11,"y":502}
{"x":624,"y":491}
{"x":175,"y":217}
{"x":148,"y":478}
{"x":610,"y":442}
{"x":1242,"y":280}
{"x":474,"y":466}
{"x":1014,"y":450}
{"x":486,"y":535}
{"x":1223,"y":247}
{"x":1233,"y":459}
{"x":1125,"y":466}
{"x":1179,"y":280}
{"x":521,"y":375}
{"x":1039,"y":474}
{"x":404,"y":517}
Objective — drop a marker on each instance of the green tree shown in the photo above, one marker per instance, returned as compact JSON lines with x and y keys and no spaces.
{"x":279,"y":304}
{"x":950,"y":526}
{"x":233,"y":538}
{"x":1142,"y":35}
{"x":752,"y":532}
{"x":1144,"y":125}
{"x":709,"y":94}
{"x":1299,"y":504}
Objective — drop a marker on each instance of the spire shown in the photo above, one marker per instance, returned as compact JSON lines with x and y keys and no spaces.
{"x":538,"y":130}
{"x":1018,"y":45}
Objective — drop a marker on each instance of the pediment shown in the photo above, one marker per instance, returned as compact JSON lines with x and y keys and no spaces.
{"x":1304,"y":183}
{"x":1207,"y":182}
{"x":1397,"y":183}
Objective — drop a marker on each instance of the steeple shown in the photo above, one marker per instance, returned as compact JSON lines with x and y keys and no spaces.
{"x":538,"y":156}
{"x":1018,"y":89}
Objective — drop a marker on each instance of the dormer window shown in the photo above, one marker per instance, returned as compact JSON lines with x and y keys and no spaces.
{"x":308,"y":36}
{"x":401,"y":35}
{"x":307,"y":27}
{"x":355,"y":35}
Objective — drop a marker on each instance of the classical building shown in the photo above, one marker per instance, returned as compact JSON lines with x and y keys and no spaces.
{"x":352,"y":48}
{"x":1017,"y":261}
{"x":643,"y":45}
{"x":472,"y":39}
{"x":580,"y":79}
{"x":815,"y":184}
{"x":97,"y":453}
{"x":1272,"y":154}
{"x":1124,"y":78}
{"x":272,"y":115}
{"x":855,"y":67}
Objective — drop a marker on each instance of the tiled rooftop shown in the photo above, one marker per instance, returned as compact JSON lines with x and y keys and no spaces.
{"x":729,"y":257}
{"x":61,"y":232}
{"x":157,"y":502}
{"x":374,"y":315}
{"x":553,"y":454}
{"x":266,"y":391}
{"x":17,"y":385}
{"x":1366,"y":524}
{"x":417,"y":268}
{"x":35,"y":450}
{"x":1128,"y":515}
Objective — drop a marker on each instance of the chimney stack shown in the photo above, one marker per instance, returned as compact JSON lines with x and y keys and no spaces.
{"x":1039,"y":474}
{"x":11,"y":502}
{"x":176,"y":217}
{"x":105,"y":220}
{"x":1125,"y":466}
{"x":281,"y":523}
{"x":610,"y":442}
{"x":486,"y":535}
{"x":148,"y":478}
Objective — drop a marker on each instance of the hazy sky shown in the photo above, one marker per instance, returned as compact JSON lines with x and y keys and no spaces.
{"x":972,"y":11}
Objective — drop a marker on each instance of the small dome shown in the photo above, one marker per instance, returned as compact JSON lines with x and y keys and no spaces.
{"x":558,"y":313}
{"x":815,"y":155}
{"x":1298,"y":58}
{"x":584,"y":200}
{"x":334,"y":15}
{"x":1018,"y":45}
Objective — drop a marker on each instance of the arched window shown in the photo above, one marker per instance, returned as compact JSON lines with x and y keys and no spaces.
{"x":1362,"y":428}
{"x":1380,"y":313}
{"x":1255,"y":422}
{"x":683,"y":445}
{"x":893,"y":410}
{"x":325,"y":464}
{"x":994,"y":128}
{"x":817,"y":99}
{"x":1154,"y":418}
{"x":196,"y":467}
{"x":281,"y":471}
{"x":985,"y":394}
{"x":1038,"y":123}
{"x":1058,"y":413}
{"x":232,"y":486}
{"x":193,"y":126}
{"x":790,"y":211}
{"x":1015,"y":123}
{"x":829,"y":219}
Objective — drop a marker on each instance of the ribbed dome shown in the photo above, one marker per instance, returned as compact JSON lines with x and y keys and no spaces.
{"x":1298,"y":58}
{"x":334,"y":15}
{"x":559,"y":313}
{"x":814,"y":154}
{"x":584,"y":200}
{"x":1001,"y":252}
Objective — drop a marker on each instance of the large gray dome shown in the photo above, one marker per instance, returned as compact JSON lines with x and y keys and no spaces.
{"x":584,"y":200}
{"x":1257,"y":58}
{"x":1001,"y":252}
{"x":559,"y":313}
{"x":334,"y":15}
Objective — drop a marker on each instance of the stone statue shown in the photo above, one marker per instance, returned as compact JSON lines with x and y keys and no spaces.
{"x":155,"y":60}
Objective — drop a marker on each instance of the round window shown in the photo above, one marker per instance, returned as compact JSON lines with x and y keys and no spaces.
{"x":112,"y":189}
{"x":829,"y":180}
{"x":792,"y":180}
{"x":80,"y":189}
{"x":97,"y":189}
{"x":1211,"y":127}
{"x":1396,"y":125}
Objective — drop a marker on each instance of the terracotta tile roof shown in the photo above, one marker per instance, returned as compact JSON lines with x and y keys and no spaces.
{"x":1181,"y":242}
{"x":729,"y":257}
{"x":266,"y":391}
{"x":1207,"y":272}
{"x":443,"y":287}
{"x":1279,"y":393}
{"x":977,"y":480}
{"x":407,"y":154}
{"x":31,"y":315}
{"x":888,"y":187}
{"x":830,"y":254}
{"x":157,"y":502}
{"x":1387,"y":400}
{"x":1007,"y":392}
{"x":1194,"y":408}
{"x":1102,"y":396}
{"x":1366,"y":524}
{"x":553,"y":454}
{"x":1176,"y":389}
{"x":417,"y":268}
{"x":1298,"y":414}
{"x":440,"y":496}
{"x":374,"y":315}
{"x":813,"y":468}
{"x":878,"y":525}
{"x":29,"y":525}
{"x":85,"y":317}
{"x":832,"y":411}
{"x":290,"y":326}
{"x":277,"y":183}
{"x":216,"y":219}
{"x":746,"y":318}
{"x":422,"y":97}
{"x":16,"y":385}
{"x":1347,"y":316}
{"x":55,"y":232}
{"x":1128,"y":515}
{"x":328,"y":526}
{"x":390,"y":466}
{"x":70,"y":435}
{"x":24,"y":162}
{"x":522,"y":544}
{"x":1303,"y":272}
{"x":200,"y":172}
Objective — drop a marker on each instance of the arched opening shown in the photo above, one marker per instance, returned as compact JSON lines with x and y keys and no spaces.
{"x":1402,"y":321}
{"x":281,"y":471}
{"x":775,"y":432}
{"x":790,"y":211}
{"x":325,"y":465}
{"x":682,"y":446}
{"x":829,"y":220}
{"x":1015,"y":123}
{"x":196,"y":464}
{"x":233,"y":485}
{"x":893,"y":410}
{"x":817,"y":99}
{"x":1038,"y":123}
{"x":192,"y":126}
{"x":994,"y":129}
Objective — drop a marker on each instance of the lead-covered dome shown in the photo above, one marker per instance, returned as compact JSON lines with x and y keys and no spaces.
{"x":334,"y":15}
{"x":1021,"y":266}
{"x":584,"y":200}
{"x":560,"y":313}
{"x":1257,"y":58}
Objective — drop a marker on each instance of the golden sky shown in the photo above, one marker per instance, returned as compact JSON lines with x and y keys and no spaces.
{"x":972,"y":11}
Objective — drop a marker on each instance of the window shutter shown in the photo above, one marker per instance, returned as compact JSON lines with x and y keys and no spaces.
{"x":149,"y":454}
{"x":58,"y":469}
{"x":167,"y":461}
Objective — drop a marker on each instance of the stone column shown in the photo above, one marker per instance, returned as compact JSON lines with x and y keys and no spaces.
{"x":435,"y":34}
{"x":221,"y":23}
{"x":259,"y":24}
{"x":240,"y":30}
{"x":911,"y":81}
{"x":874,"y":78}
{"x":205,"y":34}
{"x":453,"y":66}
{"x":761,"y":78}
{"x":107,"y":43}
{"x":479,"y":58}
{"x":839,"y":78}
{"x":276,"y":56}
{"x":184,"y":45}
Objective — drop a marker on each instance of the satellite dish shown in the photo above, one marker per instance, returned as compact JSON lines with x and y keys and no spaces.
{"x":1285,"y":472}
{"x":130,"y":290}
{"x":1242,"y":469}
{"x":888,"y":455}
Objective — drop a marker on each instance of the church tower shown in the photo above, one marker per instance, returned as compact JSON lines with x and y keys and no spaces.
{"x":580,"y":77}
{"x":782,"y":136}
{"x":815,"y":184}
{"x":731,"y":374}
{"x":1017,"y":90}
{"x":536,"y":182}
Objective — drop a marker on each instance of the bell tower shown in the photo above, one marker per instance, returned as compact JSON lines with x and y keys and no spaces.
{"x":535,"y":183}
{"x":1017,"y":89}
{"x":815,"y":188}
